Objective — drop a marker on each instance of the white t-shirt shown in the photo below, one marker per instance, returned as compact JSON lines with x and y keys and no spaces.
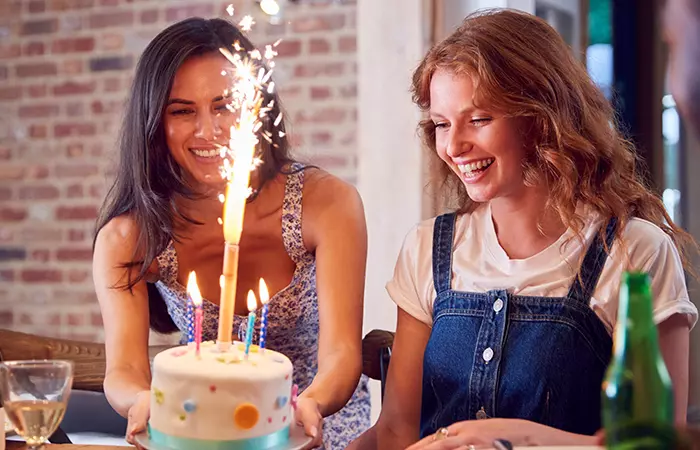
{"x":479,"y":264}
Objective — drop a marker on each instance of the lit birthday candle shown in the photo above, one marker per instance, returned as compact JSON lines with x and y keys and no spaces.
{"x":264,"y":298}
{"x":189,"y":320}
{"x":196,"y":296}
{"x":252,"y":303}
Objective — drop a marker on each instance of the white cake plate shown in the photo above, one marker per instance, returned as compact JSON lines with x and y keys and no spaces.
{"x":297,"y":440}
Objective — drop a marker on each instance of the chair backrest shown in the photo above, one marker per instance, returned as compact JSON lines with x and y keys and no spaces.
{"x":376,"y":354}
{"x":88,"y":357}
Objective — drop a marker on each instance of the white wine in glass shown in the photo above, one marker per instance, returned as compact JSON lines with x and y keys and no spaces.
{"x":35,"y":394}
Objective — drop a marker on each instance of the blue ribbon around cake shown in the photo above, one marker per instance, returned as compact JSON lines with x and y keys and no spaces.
{"x":262,"y":442}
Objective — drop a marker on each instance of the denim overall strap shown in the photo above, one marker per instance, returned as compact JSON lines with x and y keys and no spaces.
{"x":592,"y":266}
{"x":443,"y":235}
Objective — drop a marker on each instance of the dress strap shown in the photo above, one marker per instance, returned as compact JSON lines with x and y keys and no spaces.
{"x":291,"y":213}
{"x":167,"y":264}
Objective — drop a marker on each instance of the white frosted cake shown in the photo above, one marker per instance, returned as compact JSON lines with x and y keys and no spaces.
{"x":220,"y":400}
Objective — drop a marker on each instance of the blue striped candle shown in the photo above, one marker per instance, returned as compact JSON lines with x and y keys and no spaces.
{"x":189,"y":317}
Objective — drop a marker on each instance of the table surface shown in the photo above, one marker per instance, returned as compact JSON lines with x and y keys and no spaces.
{"x":16,"y":445}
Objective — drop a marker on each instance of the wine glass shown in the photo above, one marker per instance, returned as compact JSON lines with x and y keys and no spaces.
{"x":35,"y":394}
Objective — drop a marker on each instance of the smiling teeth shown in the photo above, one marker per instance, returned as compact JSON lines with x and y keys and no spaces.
{"x":471,"y":167}
{"x":206,"y":153}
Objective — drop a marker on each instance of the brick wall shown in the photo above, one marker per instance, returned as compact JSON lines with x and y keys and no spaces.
{"x":65,"y":68}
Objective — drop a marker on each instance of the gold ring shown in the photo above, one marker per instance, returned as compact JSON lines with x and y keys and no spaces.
{"x":441,"y":434}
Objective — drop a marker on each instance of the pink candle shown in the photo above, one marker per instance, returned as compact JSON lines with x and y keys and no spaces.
{"x":193,"y":292}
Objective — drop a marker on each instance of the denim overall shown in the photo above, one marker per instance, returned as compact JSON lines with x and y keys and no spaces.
{"x":495,"y":354}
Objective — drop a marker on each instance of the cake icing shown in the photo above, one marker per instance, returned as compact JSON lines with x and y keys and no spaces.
{"x":221,"y":398}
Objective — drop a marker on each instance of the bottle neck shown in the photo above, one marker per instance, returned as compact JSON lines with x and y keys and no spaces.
{"x":635,"y":322}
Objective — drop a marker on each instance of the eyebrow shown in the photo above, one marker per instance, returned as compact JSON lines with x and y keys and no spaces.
{"x":463,"y":112}
{"x":218,"y":98}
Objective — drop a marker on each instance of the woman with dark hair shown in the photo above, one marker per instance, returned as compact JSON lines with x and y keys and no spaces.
{"x":160,"y":221}
{"x":506,"y":306}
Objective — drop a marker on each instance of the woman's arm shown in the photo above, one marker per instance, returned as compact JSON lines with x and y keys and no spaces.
{"x":335,"y":230}
{"x":674,"y":341}
{"x":125,"y":316}
{"x":398,"y":424}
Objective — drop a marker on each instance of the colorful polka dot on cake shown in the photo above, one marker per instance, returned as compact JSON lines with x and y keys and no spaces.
{"x":280,"y":402}
{"x":182,"y":417}
{"x":158,"y":395}
{"x":189,"y":406}
{"x":246,"y":416}
{"x":212,"y":388}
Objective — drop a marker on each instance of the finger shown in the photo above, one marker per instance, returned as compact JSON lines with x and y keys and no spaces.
{"x":310,"y":421}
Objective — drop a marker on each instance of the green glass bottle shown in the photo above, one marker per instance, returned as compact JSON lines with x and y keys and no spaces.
{"x":637,"y":393}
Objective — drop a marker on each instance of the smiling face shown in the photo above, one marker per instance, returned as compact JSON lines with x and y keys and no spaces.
{"x":196,"y":120}
{"x":483,"y":148}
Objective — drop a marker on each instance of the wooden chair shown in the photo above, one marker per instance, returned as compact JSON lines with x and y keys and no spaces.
{"x":88,"y":360}
{"x":376,"y":354}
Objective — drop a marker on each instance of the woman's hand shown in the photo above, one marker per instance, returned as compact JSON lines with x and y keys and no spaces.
{"x":138,"y":416}
{"x":308,"y":415}
{"x":474,"y":434}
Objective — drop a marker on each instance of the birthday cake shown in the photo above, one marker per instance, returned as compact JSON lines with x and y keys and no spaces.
{"x":220,"y":400}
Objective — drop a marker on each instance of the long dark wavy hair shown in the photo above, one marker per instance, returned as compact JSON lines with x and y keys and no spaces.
{"x":148,"y":180}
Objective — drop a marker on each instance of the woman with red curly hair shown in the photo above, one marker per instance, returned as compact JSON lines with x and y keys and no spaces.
{"x":506,"y":306}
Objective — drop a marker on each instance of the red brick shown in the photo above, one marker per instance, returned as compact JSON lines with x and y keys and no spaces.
{"x":321,"y":138}
{"x":184,"y":12}
{"x":5,"y":153}
{"x":4,"y":73}
{"x":9,"y":51}
{"x":73,"y":45}
{"x":76,"y":320}
{"x":38,"y":131}
{"x":73,"y":254}
{"x":320,"y":92}
{"x":324,"y":115}
{"x":74,"y":88}
{"x":112,"y":19}
{"x":74,"y":191}
{"x":75,"y":150}
{"x":97,"y":191}
{"x":76,"y":213}
{"x":109,"y":2}
{"x":74,"y":109}
{"x":76,"y":235}
{"x":6,"y":318}
{"x":41,"y":276}
{"x":9,"y":173}
{"x":10,"y":93}
{"x":41,"y":255}
{"x":44,"y":26}
{"x":7,"y":275}
{"x":37,"y":6}
{"x":106,"y":107}
{"x":63,"y":5}
{"x":317,"y":46}
{"x":319,"y":69}
{"x":38,"y":111}
{"x":111,"y":63}
{"x":37,"y":91}
{"x":96,"y":320}
{"x":347,"y":44}
{"x":72,"y":67}
{"x":149,"y":16}
{"x":12,"y":214}
{"x":112,"y":84}
{"x":348,"y":91}
{"x":34,"y":49}
{"x":35,"y":70}
{"x":5,"y":193}
{"x":76,"y":170}
{"x":318,"y":23}
{"x":74,"y":129}
{"x":288,"y":48}
{"x":37,"y":172}
{"x":74,"y":297}
{"x":112,"y":42}
{"x":44,"y":192}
